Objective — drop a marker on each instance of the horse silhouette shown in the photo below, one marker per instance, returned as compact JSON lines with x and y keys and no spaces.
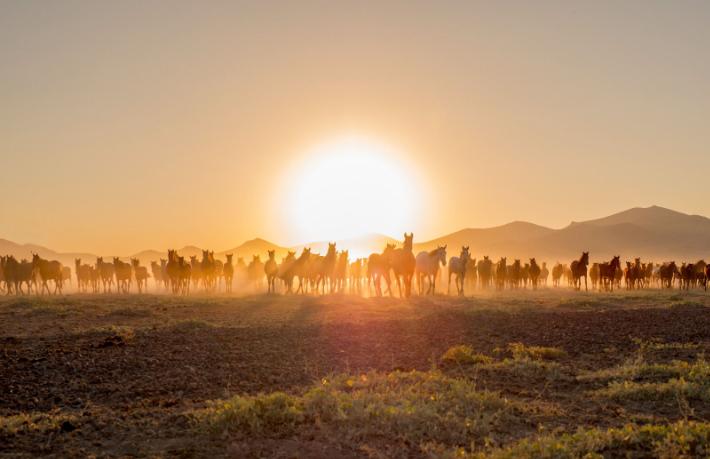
{"x":141,"y":275}
{"x":403,"y":265}
{"x":228,"y":272}
{"x":378,"y":268}
{"x":578,"y":269}
{"x":534,"y":273}
{"x":607,"y":273}
{"x":271,"y":269}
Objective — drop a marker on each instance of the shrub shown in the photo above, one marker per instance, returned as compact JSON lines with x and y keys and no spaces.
{"x":464,"y":354}
{"x":522,"y":352}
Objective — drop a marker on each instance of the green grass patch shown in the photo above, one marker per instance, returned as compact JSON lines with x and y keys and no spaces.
{"x":678,"y":440}
{"x":33,"y":422}
{"x":464,"y":354}
{"x":688,"y":381}
{"x":411,"y":407}
{"x":523,"y":352}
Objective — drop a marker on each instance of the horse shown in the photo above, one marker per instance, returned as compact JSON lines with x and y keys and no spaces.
{"x":255,"y":271}
{"x":667,"y":272}
{"x":594,"y":275}
{"x":515,"y":274}
{"x":157,"y":272}
{"x":141,"y":275}
{"x":578,"y":270}
{"x":355,"y":271}
{"x":457,"y":267}
{"x":534,"y":272}
{"x":228,"y":272}
{"x":48,"y":270}
{"x":106,"y":272}
{"x":427,"y":265}
{"x":403,"y":264}
{"x":378,"y":267}
{"x":271,"y":269}
{"x":174,"y":270}
{"x":123,"y":275}
{"x":184,"y":276}
{"x":485,"y":272}
{"x":544,"y":274}
{"x":607,"y":273}
{"x":322,"y":268}
{"x":208,"y":269}
{"x":285,"y":271}
{"x":472,"y":273}
{"x":557,"y":272}
{"x":340,"y":274}
{"x":300,"y":269}
{"x":501,"y":273}
{"x":83,"y":275}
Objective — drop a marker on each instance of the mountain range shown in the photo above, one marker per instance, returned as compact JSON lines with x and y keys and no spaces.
{"x":648,"y":232}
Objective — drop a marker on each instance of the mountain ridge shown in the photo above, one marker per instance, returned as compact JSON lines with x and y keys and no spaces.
{"x":649,"y":232}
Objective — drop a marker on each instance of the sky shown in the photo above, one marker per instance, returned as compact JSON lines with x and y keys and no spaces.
{"x":152,"y":124}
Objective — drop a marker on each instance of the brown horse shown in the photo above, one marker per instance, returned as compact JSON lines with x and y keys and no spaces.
{"x":48,"y":270}
{"x":141,"y":275}
{"x":378,"y":267}
{"x":285,"y":271}
{"x":124,"y":273}
{"x":534,"y":273}
{"x":340,"y":274}
{"x":607,"y":273}
{"x":228,"y":272}
{"x":501,"y":273}
{"x":403,"y":264}
{"x":578,"y":270}
{"x":105,"y":271}
{"x":485,"y":272}
{"x":271,"y":269}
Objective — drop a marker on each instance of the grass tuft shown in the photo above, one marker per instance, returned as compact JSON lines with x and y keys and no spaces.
{"x":464,"y":354}
{"x":413,"y":407}
{"x":523,"y":352}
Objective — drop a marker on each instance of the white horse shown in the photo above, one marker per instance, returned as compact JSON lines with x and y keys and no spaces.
{"x":457,"y":267}
{"x":428,"y":265}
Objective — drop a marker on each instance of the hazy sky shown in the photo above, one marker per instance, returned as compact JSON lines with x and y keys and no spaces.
{"x":147,"y":124}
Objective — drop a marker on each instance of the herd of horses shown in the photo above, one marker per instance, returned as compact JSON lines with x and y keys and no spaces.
{"x":334,"y":272}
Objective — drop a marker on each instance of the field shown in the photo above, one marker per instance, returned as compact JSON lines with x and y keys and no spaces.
{"x":538,"y":374}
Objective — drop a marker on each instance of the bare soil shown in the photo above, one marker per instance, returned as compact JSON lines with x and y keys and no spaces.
{"x":126,"y":371}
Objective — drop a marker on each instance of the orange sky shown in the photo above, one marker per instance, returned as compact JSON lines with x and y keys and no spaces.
{"x":133,"y":125}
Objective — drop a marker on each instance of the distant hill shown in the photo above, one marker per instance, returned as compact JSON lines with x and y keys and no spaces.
{"x":649,"y":232}
{"x":253,"y":247}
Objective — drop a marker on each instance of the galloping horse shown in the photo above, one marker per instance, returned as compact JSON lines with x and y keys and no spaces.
{"x":403,"y":264}
{"x":485,"y":271}
{"x":378,"y":267}
{"x":534,"y":273}
{"x":578,"y":270}
{"x":271,"y":269}
{"x":228,"y":271}
{"x":457,"y":267}
{"x":607,"y":273}
{"x":501,"y":273}
{"x":428,"y":266}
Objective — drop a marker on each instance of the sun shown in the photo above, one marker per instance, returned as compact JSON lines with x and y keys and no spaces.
{"x":350,"y":187}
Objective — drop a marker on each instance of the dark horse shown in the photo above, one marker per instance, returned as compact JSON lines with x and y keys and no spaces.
{"x":579,"y":270}
{"x":607,"y":272}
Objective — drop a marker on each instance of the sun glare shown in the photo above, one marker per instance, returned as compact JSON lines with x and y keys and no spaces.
{"x":351,"y":187}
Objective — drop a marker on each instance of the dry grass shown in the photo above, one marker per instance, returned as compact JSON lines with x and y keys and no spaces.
{"x":464,"y":354}
{"x":413,"y":407}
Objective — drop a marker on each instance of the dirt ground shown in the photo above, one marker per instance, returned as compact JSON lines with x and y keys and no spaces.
{"x":118,"y":375}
